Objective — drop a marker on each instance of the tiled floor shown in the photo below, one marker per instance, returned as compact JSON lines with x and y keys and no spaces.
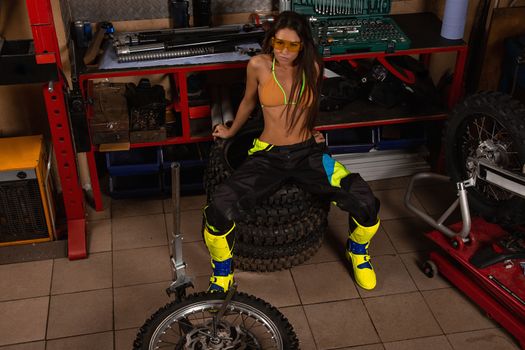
{"x":99,"y":303}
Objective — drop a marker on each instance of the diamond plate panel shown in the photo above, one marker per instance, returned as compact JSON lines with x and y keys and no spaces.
{"x":127,"y":10}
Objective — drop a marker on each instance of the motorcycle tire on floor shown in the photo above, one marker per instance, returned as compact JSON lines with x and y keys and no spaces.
{"x":248,"y":323}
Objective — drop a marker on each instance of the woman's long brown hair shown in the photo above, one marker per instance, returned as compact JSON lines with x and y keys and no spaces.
{"x":306,"y":62}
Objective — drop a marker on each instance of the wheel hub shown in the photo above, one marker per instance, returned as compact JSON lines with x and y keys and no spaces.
{"x":227,"y":337}
{"x":491,"y":150}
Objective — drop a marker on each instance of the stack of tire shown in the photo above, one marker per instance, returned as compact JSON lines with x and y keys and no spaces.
{"x":284,"y":230}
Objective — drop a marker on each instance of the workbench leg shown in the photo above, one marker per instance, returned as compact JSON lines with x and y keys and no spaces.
{"x":456,"y":90}
{"x":182,"y":86}
{"x":95,"y":184}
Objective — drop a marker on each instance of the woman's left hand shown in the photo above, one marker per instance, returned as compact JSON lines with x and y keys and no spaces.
{"x":318,"y":136}
{"x":222,"y":131}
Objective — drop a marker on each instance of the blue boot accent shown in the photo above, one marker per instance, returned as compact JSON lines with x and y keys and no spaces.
{"x":222,"y":277}
{"x":364,"y":273}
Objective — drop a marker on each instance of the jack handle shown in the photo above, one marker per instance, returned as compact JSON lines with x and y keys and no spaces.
{"x":181,"y":281}
{"x":462,"y":201}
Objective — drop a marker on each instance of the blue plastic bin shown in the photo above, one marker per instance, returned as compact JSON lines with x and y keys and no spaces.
{"x":134,"y":162}
{"x":403,"y":136}
{"x":354,"y":140}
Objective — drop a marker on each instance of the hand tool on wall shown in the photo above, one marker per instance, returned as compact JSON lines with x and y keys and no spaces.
{"x":94,"y":46}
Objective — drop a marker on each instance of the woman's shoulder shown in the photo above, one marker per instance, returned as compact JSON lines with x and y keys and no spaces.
{"x":261,"y":61}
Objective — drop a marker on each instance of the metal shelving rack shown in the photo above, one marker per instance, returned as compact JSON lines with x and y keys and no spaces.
{"x":46,"y":50}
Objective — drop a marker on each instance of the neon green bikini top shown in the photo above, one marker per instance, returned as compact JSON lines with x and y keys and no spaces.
{"x":270,"y":96}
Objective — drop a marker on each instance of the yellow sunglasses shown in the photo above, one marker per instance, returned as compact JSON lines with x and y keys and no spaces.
{"x":292,"y":46}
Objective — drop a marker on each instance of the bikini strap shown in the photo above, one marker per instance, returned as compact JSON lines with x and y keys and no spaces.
{"x":277,"y":81}
{"x":280,"y":86}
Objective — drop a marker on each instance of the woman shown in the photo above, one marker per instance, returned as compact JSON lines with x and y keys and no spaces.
{"x":287,"y":79}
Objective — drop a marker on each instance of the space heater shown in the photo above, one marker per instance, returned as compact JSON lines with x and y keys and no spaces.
{"x":26,"y":203}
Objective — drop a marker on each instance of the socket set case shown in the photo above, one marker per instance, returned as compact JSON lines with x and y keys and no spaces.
{"x":347,"y":26}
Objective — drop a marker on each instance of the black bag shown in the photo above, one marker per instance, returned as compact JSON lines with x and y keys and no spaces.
{"x":401,"y":81}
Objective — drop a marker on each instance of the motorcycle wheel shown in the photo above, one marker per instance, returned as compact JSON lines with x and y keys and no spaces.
{"x":490,"y":126}
{"x":248,"y":323}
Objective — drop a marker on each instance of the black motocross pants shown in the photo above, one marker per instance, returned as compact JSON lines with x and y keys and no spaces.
{"x":305,"y":164}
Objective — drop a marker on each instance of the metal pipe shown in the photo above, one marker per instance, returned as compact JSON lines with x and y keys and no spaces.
{"x":463,"y":202}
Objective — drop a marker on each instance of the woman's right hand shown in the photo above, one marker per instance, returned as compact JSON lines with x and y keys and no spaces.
{"x":222,"y":131}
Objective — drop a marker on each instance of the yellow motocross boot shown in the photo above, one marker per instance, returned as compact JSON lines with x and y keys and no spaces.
{"x":357,"y":254}
{"x":221,"y":259}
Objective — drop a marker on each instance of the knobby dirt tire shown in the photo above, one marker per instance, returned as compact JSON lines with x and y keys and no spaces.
{"x":488,"y":125}
{"x":294,"y":255}
{"x":187,"y":322}
{"x":281,"y":234}
{"x":283,"y":217}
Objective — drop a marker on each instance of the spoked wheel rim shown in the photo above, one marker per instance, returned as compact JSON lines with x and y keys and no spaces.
{"x":241,"y":327}
{"x":483,"y":137}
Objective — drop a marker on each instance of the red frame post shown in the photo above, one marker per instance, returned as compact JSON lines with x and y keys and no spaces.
{"x":47,"y":51}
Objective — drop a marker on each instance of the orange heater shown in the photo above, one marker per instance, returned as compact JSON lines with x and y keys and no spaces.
{"x":26,"y":201}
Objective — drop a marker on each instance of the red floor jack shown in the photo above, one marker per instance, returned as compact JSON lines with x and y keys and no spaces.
{"x":482,"y":259}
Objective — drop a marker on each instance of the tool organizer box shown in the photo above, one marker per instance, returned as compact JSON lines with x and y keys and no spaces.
{"x":346,"y":26}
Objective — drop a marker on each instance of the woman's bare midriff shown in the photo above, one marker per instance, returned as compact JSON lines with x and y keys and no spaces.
{"x":276,"y":128}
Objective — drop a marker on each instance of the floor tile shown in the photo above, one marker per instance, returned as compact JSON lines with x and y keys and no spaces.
{"x":324,"y":282}
{"x":104,"y":214}
{"x":124,"y":338}
{"x":139,"y":231}
{"x":80,"y":275}
{"x":340,"y":323}
{"x":337,"y":216}
{"x":98,"y":341}
{"x":389,"y":184}
{"x":436,"y":199}
{"x":197,"y":258}
{"x":190,"y":225}
{"x":414,"y":263}
{"x":392,"y":277}
{"x":407,"y":235}
{"x":23,"y":320}
{"x":454,"y":312}
{"x":401,"y":317}
{"x":380,"y":244}
{"x":330,"y":251}
{"x":99,"y":236}
{"x":393,"y":205}
{"x":25,"y":280}
{"x":40,"y":345}
{"x":378,"y":346}
{"x":135,"y":304}
{"x":276,"y":288}
{"x":145,"y":265}
{"x":488,"y":339}
{"x":430,"y":343}
{"x":297,"y":318}
{"x":200,"y":284}
{"x":186,"y":203}
{"x":132,"y":207}
{"x":80,"y":313}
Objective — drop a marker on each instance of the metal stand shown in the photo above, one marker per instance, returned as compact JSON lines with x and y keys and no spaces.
{"x":498,"y":289}
{"x":180,"y":280}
